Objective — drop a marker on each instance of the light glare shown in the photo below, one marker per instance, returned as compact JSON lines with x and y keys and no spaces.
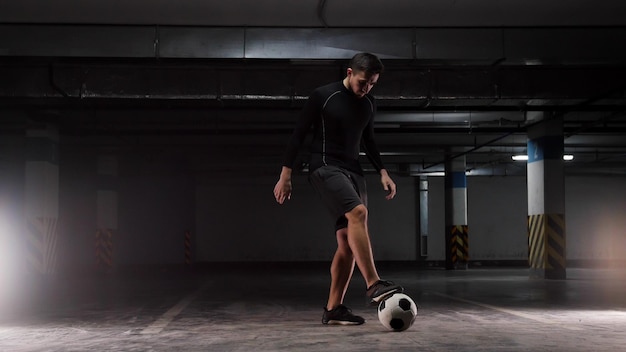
{"x":523,"y":157}
{"x":8,"y":255}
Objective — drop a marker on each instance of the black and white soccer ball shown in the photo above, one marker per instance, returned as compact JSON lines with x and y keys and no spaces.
{"x":397,"y":312}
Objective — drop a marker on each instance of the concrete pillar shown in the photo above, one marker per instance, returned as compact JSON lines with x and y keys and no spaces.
{"x":423,"y":218}
{"x":41,"y":199}
{"x":107,"y":211}
{"x":457,"y":249}
{"x":546,"y":198}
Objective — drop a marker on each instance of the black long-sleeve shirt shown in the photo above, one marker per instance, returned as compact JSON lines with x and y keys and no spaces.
{"x":342,"y":123}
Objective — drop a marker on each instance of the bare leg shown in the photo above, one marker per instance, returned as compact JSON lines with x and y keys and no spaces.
{"x":359,"y":242}
{"x":341,"y":270}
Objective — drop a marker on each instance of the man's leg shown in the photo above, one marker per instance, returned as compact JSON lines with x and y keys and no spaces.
{"x":359,"y":242}
{"x":341,"y":270}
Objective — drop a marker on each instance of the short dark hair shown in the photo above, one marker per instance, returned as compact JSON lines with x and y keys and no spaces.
{"x":366,"y":62}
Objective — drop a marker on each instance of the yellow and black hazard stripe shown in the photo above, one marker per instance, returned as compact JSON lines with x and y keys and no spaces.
{"x":536,"y":241}
{"x":41,"y":245}
{"x":104,"y":250}
{"x":35,"y":243}
{"x":188,"y":260}
{"x":546,"y":244}
{"x":457,"y":247}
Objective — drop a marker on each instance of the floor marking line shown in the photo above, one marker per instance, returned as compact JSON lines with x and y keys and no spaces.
{"x":160,"y":324}
{"x":508,"y":311}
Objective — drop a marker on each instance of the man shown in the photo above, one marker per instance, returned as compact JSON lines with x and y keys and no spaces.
{"x":342,"y":116}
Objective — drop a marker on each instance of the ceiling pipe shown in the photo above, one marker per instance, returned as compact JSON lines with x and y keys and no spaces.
{"x":53,"y":83}
{"x":470,"y":150}
{"x":519,"y":129}
{"x":321,"y":6}
{"x":589,"y":125}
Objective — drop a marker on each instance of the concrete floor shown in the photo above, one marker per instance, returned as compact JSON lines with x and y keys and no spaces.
{"x":279,"y":308}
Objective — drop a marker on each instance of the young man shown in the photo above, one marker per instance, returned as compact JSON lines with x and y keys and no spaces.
{"x":342,"y":116}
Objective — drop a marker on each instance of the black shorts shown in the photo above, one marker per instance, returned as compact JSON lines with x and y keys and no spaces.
{"x":341,"y":191}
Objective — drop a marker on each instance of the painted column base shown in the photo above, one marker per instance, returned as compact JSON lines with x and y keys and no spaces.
{"x":457,"y":249}
{"x":546,"y":246}
{"x":104,"y":251}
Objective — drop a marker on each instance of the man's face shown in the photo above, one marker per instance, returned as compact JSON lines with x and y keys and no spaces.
{"x":360,"y":83}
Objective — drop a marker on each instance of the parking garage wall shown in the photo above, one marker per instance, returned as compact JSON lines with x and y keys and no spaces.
{"x":233,"y":216}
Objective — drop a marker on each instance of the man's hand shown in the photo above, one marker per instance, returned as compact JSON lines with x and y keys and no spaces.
{"x":282,"y":190}
{"x":388,"y":184}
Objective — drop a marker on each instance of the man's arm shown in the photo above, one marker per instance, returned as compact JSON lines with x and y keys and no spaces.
{"x":282,"y":190}
{"x":374,"y":155}
{"x":388,"y":184}
{"x":308,"y":114}
{"x":372,"y":152}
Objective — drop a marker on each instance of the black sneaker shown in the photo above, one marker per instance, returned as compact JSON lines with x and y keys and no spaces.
{"x":381,"y":290}
{"x":341,"y":315}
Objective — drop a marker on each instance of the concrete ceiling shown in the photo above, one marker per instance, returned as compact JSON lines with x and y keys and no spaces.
{"x":316,"y":13}
{"x":221,"y":83}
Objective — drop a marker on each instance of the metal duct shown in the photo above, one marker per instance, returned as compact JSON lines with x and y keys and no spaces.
{"x":513,"y":45}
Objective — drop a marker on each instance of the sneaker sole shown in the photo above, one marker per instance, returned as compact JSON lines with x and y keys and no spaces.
{"x":341,"y":322}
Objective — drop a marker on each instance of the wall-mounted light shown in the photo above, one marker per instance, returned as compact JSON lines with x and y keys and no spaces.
{"x":523,"y":157}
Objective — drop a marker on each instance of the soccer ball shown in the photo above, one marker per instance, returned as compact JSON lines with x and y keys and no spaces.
{"x":397,"y":312}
